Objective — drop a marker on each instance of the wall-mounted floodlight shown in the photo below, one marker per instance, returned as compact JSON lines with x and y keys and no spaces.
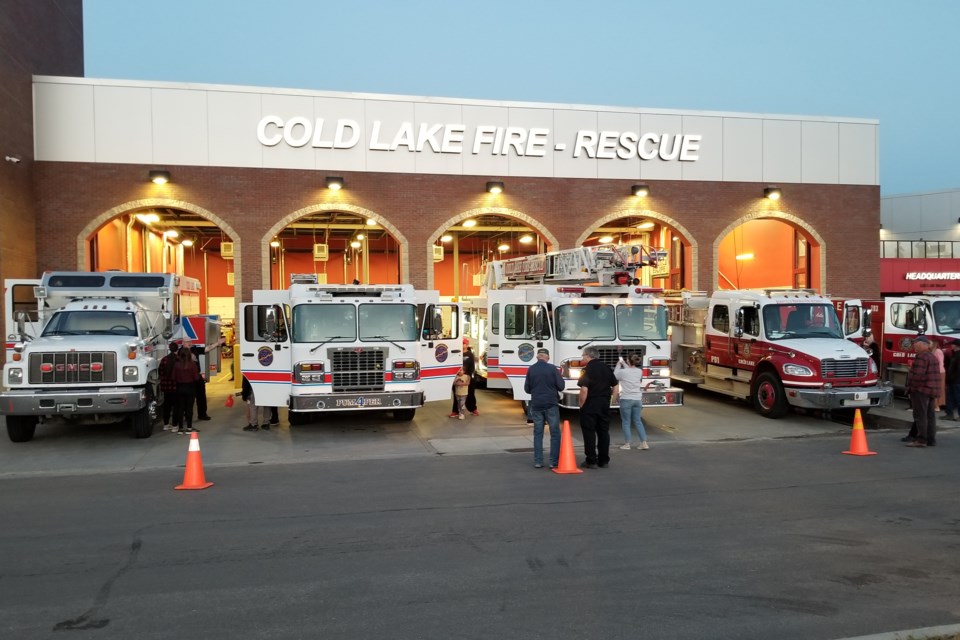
{"x":470,"y":223}
{"x":159,"y":177}
{"x":334,"y":183}
{"x":495,"y":187}
{"x":640,"y":190}
{"x":527,"y":239}
{"x":187,"y":242}
{"x":772,"y":193}
{"x":371,"y":222}
{"x":503,"y":247}
{"x":446,"y":238}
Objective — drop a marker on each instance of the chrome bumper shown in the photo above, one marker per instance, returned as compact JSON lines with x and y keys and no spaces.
{"x":34,"y":402}
{"x":357,"y":401}
{"x":845,"y":398}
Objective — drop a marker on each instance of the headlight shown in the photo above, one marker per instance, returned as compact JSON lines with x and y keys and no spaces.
{"x":14,"y":376}
{"x":797,"y":370}
{"x":131,"y":374}
{"x":873,"y":366}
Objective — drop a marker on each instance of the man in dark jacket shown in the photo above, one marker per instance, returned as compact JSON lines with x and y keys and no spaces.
{"x":544,"y":384}
{"x":923,"y":385}
{"x":168,"y":387}
{"x":596,"y":388}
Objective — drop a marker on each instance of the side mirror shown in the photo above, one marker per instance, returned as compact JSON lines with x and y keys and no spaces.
{"x":921,"y":320}
{"x":269,"y":330}
{"x":22,"y":318}
{"x":738,"y":324}
{"x":866,"y":323}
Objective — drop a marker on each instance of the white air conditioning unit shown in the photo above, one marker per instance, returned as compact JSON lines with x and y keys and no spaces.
{"x":437,"y":252}
{"x":226,"y":250}
{"x":321,"y":253}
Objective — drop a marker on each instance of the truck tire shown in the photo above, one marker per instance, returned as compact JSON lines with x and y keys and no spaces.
{"x":21,"y":428}
{"x":404,"y":415}
{"x":769,"y":398}
{"x":141,"y":423}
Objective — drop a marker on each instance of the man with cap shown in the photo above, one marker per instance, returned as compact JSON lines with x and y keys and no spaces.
{"x":923,"y":387}
{"x":544,"y":384}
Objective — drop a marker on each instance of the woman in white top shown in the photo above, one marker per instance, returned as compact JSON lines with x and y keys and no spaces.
{"x":630,"y":376}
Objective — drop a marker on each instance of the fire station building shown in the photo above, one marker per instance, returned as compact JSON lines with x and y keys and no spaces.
{"x":242,"y":187}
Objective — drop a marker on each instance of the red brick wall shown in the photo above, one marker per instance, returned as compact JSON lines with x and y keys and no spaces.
{"x":251,"y":201}
{"x":42,"y":37}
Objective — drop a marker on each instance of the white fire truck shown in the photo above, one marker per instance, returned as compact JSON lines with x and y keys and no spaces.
{"x":566,"y":301}
{"x":317,"y":348}
{"x":778,"y":348}
{"x":86,"y":347}
{"x":898,"y":320}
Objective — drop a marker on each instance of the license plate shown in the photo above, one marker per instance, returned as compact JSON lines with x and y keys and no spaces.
{"x":860,"y":395}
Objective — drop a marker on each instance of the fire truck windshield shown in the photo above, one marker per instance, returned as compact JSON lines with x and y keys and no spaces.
{"x":324,"y":323}
{"x":786,"y":321}
{"x":946,"y":316}
{"x":585,"y":322}
{"x":76,"y":323}
{"x":388,"y":322}
{"x":648,"y":321}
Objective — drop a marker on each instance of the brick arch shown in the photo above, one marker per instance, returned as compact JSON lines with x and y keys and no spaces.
{"x":349,"y":208}
{"x":472,"y":213}
{"x":668,"y":221}
{"x":790,"y":219}
{"x":168,"y":203}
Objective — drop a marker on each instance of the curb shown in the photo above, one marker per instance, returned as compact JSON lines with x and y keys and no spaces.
{"x":912,"y":634}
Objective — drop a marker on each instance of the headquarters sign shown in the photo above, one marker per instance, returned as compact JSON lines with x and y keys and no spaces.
{"x":445,"y":138}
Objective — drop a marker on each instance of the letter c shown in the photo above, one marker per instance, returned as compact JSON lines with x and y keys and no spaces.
{"x":269,"y":141}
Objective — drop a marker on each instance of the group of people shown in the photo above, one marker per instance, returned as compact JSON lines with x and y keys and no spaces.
{"x":182,"y":385}
{"x":465,"y":386}
{"x":933,"y":382}
{"x":597,"y":385}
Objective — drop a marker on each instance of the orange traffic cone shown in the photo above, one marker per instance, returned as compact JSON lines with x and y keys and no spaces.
{"x":230,"y":400}
{"x":858,"y":439}
{"x":193,"y":476}
{"x":568,"y":460}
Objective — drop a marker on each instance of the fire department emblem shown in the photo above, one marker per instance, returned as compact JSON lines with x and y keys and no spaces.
{"x":265,"y":356}
{"x":441,"y":352}
{"x":905,"y":344}
{"x":746,"y":351}
{"x":525,"y":352}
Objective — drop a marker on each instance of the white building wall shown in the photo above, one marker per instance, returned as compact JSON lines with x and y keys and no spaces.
{"x":115,"y":121}
{"x":929,"y":216}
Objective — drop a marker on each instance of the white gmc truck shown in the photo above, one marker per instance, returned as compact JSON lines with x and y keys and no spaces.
{"x":90,"y":351}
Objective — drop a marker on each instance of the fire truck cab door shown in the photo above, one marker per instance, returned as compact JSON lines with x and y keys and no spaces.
{"x":441,"y":348}
{"x":20,"y":306}
{"x":265,"y":355}
{"x":524,"y":327}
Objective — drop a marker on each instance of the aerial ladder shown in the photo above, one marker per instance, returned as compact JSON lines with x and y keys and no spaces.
{"x":602,"y":265}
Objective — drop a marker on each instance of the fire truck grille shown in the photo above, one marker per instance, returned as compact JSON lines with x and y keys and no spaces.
{"x":609,"y":355}
{"x":73,"y":367}
{"x":844,"y":368}
{"x":357,"y":369}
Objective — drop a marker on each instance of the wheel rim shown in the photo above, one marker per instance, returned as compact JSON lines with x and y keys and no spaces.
{"x":766,"y":395}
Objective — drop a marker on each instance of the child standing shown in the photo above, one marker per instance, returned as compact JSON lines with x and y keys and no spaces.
{"x":246,"y":394}
{"x":461,"y":387}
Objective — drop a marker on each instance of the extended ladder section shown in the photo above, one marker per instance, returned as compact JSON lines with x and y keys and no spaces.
{"x":605,"y":265}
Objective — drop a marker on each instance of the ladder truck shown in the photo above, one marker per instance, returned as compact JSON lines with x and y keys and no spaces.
{"x":566,"y":301}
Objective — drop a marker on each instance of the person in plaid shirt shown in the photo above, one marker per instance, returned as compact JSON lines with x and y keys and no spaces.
{"x":923,"y":385}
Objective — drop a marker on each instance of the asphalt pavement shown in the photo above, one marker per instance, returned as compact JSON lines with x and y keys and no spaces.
{"x":358,"y":526}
